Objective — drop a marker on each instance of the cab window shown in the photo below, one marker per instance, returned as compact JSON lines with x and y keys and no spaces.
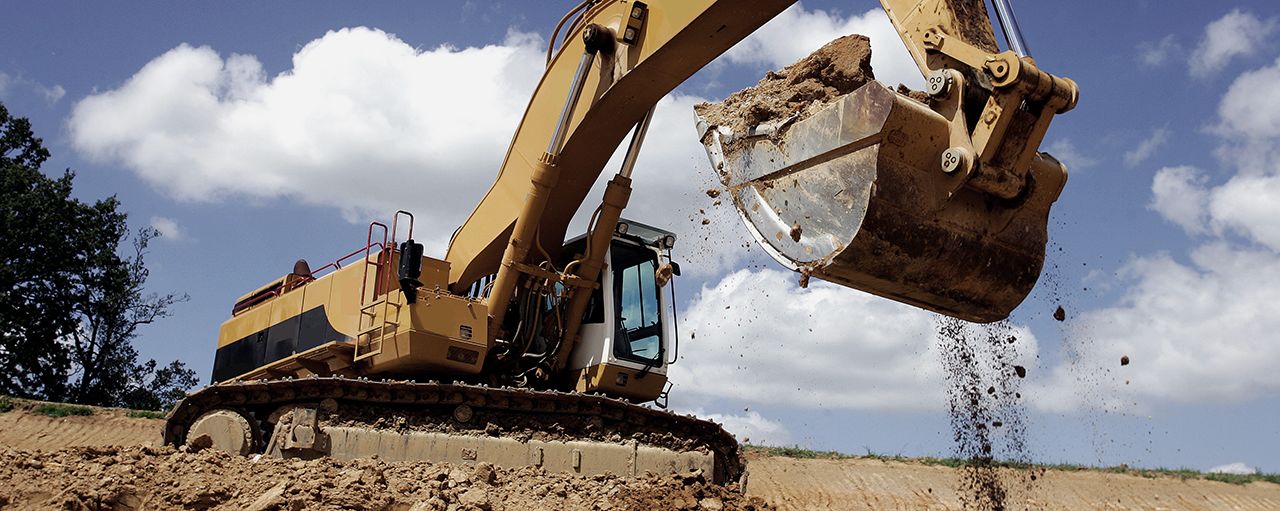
{"x":639,"y":334}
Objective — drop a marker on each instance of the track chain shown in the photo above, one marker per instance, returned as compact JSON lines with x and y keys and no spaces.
{"x":270,"y":394}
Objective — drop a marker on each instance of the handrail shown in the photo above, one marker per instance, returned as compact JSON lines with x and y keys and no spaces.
{"x":364,"y":282}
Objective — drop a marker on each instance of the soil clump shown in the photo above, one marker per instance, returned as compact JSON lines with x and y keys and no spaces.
{"x":801,"y":89}
{"x":142,"y":477}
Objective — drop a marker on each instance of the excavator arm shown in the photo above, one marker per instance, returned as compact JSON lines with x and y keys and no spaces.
{"x":963,"y":181}
{"x":675,"y":39}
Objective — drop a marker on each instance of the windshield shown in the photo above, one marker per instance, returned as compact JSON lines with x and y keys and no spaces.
{"x":639,"y":336}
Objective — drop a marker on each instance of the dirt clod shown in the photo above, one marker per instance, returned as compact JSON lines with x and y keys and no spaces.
{"x":1022,"y":371}
{"x":713,"y":192}
{"x":1124,"y":361}
{"x":796,"y":230}
{"x":1060,"y":314}
{"x":801,"y":89}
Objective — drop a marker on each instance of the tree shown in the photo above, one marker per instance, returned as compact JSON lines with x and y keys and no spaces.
{"x":70,"y":303}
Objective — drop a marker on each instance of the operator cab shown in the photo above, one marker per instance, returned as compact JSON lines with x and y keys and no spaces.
{"x":629,"y":326}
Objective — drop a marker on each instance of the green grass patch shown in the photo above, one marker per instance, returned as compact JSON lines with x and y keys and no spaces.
{"x":1150,"y":473}
{"x":61,"y":410}
{"x":6,"y":404}
{"x":144,"y":414}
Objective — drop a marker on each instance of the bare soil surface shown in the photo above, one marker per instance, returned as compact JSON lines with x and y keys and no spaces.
{"x":111,"y":461}
{"x":107,"y":426}
{"x":163,"y":478}
{"x":867,"y":484}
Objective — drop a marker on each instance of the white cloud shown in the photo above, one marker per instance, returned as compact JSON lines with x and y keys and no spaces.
{"x":362,"y":122}
{"x":751,"y":427}
{"x":1178,"y":194}
{"x":1066,"y":152}
{"x":1250,"y":110}
{"x":1237,"y":468}
{"x":1237,"y":34}
{"x":1199,"y":329}
{"x":797,"y":32}
{"x":757,"y":337}
{"x":1156,"y":54}
{"x":1147,"y":147}
{"x":1193,"y":332}
{"x":168,"y":228}
{"x":50,"y":94}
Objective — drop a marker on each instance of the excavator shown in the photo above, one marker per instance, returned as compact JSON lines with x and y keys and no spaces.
{"x":521,"y":348}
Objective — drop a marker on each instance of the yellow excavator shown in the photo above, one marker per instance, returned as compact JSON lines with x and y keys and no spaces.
{"x":521,"y":348}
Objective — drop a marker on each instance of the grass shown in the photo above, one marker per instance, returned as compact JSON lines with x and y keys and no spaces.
{"x":62,"y":410}
{"x":1150,"y":473}
{"x":6,"y":404}
{"x":144,"y":414}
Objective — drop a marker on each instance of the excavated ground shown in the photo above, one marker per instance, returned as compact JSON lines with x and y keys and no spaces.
{"x":73,"y":463}
{"x":142,"y":477}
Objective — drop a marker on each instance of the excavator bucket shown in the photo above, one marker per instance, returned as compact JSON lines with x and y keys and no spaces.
{"x":855,"y":194}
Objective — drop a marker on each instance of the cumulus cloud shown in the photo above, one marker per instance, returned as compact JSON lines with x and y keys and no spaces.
{"x":751,"y":426}
{"x":365,"y":123}
{"x":1199,"y":328}
{"x":1237,"y":34}
{"x":1147,"y":147}
{"x":49,"y":93}
{"x":1065,"y":150}
{"x":797,"y":32}
{"x":1157,"y":53}
{"x":756,"y":336}
{"x":1179,"y":196}
{"x":1237,"y":468}
{"x":362,"y":121}
{"x":168,"y":228}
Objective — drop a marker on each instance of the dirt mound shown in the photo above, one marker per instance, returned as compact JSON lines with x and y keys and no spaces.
{"x":860,"y":484}
{"x":840,"y":67}
{"x":23,"y":428}
{"x":142,"y":477}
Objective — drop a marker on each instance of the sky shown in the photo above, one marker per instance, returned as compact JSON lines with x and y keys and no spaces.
{"x":252,"y":134}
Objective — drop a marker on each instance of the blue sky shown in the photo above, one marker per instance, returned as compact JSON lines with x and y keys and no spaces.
{"x":256,"y":134}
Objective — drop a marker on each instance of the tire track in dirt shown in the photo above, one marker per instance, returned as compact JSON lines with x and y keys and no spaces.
{"x":866,"y":484}
{"x":22,"y":429}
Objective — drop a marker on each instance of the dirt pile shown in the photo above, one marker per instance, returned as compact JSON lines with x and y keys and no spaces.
{"x":803,"y":88}
{"x":143,"y":477}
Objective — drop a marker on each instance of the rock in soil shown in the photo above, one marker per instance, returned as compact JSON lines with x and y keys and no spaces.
{"x":143,"y":477}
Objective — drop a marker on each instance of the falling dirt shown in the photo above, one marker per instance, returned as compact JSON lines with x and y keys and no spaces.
{"x":1124,"y":361}
{"x":1060,"y":314}
{"x":713,"y":192}
{"x":801,"y":89}
{"x":987,"y":417}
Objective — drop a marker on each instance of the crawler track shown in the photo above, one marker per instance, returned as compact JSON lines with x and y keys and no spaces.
{"x":401,"y":409}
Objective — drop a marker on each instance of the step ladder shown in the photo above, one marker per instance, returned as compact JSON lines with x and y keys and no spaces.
{"x":378,"y":320}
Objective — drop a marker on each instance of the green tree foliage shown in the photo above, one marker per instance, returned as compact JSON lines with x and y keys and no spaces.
{"x":70,"y":302}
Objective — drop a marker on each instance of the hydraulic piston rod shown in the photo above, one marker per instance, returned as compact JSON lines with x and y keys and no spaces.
{"x":1009,"y":24}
